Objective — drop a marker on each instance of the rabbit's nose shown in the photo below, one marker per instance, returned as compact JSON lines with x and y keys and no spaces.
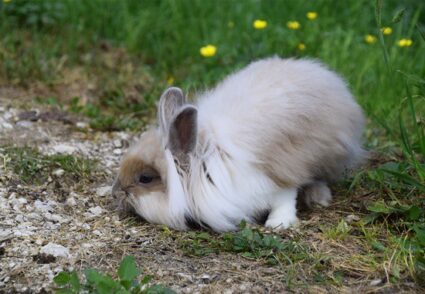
{"x":117,"y":191}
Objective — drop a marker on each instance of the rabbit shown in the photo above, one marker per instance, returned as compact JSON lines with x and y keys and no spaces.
{"x":244,"y":150}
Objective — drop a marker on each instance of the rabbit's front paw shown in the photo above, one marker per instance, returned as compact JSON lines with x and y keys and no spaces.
{"x":284,"y":211}
{"x":281,"y":222}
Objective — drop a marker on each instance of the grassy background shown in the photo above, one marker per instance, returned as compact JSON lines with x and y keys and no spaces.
{"x":126,"y":52}
{"x":164,"y":37}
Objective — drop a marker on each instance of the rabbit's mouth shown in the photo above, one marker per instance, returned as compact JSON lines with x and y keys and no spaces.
{"x":122,"y":202}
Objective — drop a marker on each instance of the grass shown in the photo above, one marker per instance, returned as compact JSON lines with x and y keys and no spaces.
{"x":120,"y":62}
{"x":33,"y":167}
{"x":96,"y":282}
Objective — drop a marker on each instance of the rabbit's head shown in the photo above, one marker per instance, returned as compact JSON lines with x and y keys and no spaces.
{"x":154,"y":167}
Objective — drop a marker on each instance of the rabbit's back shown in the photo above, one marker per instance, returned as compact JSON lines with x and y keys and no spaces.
{"x":294,"y":119}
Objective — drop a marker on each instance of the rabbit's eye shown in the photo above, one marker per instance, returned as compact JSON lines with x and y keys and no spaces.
{"x":145,"y":179}
{"x":148,"y":176}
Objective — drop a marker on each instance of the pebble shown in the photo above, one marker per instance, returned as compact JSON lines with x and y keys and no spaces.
{"x":54,"y":217}
{"x":97,"y":233}
{"x":6,"y":125}
{"x":24,"y":124}
{"x":117,"y":151}
{"x":64,"y":149}
{"x":58,"y":172}
{"x":206,"y":278}
{"x":183,"y":275}
{"x":86,"y":226}
{"x":352,"y":218}
{"x":103,"y":191}
{"x":42,"y":206}
{"x":376,"y":282}
{"x":117,"y":143}
{"x":96,"y":211}
{"x":82,"y":125}
{"x":70,"y":201}
{"x":55,"y":249}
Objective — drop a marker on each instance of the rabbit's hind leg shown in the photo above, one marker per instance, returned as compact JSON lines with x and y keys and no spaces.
{"x":317,"y":192}
{"x":283,"y":212}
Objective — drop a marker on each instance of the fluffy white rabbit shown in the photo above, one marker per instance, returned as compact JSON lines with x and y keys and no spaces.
{"x":244,"y":149}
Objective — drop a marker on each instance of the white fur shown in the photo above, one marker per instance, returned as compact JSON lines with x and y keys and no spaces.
{"x":284,"y":212}
{"x":263,"y":133}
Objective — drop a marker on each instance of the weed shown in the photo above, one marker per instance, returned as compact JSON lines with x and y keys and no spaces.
{"x":338,"y":232}
{"x":96,"y":282}
{"x":33,"y":167}
{"x":249,"y":243}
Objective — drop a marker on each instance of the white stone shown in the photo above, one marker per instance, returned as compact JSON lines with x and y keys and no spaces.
{"x":64,"y":149}
{"x":5,"y":234}
{"x":42,"y":206}
{"x":117,"y":143}
{"x":103,"y":191}
{"x":376,"y":282}
{"x":54,"y":217}
{"x":58,"y":172}
{"x":8,"y":115}
{"x":352,"y":218}
{"x":97,"y":233}
{"x":96,"y":211}
{"x":117,"y":151}
{"x":82,"y":125}
{"x":6,"y":125}
{"x":24,"y":124}
{"x":86,"y":226}
{"x":70,"y":201}
{"x":55,"y":249}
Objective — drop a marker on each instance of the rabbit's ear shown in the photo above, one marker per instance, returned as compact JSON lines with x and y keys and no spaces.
{"x":171,"y":100}
{"x":183,"y":131}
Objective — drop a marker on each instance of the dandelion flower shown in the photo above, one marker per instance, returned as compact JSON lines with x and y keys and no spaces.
{"x":405,"y":43}
{"x":387,"y":30}
{"x":311,"y":15}
{"x":208,"y":51}
{"x":301,"y":46}
{"x":259,"y":24}
{"x":293,"y":25}
{"x":170,"y":80}
{"x":370,"y":39}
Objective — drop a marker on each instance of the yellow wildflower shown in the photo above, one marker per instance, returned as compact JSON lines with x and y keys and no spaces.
{"x":6,"y":1}
{"x":387,"y":30}
{"x":301,"y":46}
{"x":170,"y":80}
{"x":405,"y":43}
{"x":208,"y":51}
{"x":311,"y":15}
{"x":259,"y":24}
{"x":293,"y":25}
{"x":370,"y":39}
